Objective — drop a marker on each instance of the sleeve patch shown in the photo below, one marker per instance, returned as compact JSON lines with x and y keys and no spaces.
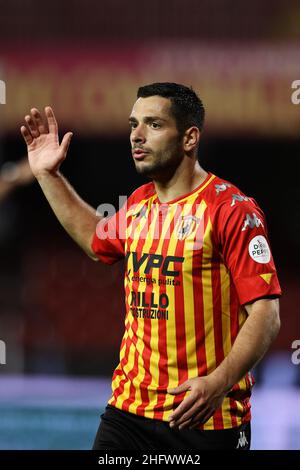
{"x":259,"y":250}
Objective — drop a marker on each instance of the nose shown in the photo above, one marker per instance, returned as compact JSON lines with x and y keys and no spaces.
{"x":138,"y":135}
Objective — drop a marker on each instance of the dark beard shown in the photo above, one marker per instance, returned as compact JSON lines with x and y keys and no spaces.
{"x":152,"y":171}
{"x":162,"y":169}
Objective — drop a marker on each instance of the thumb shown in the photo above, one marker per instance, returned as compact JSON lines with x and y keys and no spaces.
{"x":180,"y":389}
{"x":66,"y":142}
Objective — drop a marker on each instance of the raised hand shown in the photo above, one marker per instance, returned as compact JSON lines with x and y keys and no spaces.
{"x":45,"y":154}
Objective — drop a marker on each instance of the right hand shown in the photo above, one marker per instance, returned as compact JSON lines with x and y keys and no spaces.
{"x":45,"y":155}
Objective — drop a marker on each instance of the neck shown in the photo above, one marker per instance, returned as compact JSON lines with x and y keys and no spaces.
{"x":185,"y":179}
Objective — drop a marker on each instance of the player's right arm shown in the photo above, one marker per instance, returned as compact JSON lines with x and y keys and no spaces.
{"x":45,"y":156}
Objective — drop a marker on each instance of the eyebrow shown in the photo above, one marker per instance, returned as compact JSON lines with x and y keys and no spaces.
{"x":147,"y":119}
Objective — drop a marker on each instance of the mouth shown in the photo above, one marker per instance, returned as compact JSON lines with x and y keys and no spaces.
{"x":139,"y":154}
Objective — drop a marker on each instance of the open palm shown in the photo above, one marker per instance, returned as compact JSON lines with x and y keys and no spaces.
{"x":45,"y":154}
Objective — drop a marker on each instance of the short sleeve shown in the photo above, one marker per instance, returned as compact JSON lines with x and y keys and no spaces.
{"x":109,"y":238}
{"x":244,"y":246}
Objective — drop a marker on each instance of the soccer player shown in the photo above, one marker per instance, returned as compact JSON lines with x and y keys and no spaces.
{"x":201,"y":289}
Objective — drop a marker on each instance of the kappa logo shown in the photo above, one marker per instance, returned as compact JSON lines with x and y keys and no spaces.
{"x":251,"y":222}
{"x":141,"y":213}
{"x":239,"y":198}
{"x":222,"y":187}
{"x":187,"y":226}
{"x":242,"y":442}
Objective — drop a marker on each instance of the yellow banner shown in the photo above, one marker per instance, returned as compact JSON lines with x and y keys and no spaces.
{"x":247,"y":90}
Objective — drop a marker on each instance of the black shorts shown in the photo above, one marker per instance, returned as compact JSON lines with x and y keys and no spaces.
{"x":120,"y":430}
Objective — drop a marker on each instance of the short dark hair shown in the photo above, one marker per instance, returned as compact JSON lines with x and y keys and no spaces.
{"x":186,"y":107}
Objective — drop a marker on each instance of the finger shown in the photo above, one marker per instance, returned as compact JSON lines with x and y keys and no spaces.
{"x":189,"y":414}
{"x":42,"y":127}
{"x":185,"y":425}
{"x":201,"y":418}
{"x":32,"y":126}
{"x":191,"y":423}
{"x":183,"y":407}
{"x":197,"y":420}
{"x":26,"y":135}
{"x":66,"y":142}
{"x":52,"y":123}
{"x":180,"y":389}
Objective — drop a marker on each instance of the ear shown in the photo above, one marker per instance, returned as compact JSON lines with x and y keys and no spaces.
{"x":191,"y":139}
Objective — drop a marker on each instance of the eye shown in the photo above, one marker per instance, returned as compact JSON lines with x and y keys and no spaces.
{"x":132,"y":125}
{"x":155,"y":125}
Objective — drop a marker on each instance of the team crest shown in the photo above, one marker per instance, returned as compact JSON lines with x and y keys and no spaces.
{"x":187,"y":226}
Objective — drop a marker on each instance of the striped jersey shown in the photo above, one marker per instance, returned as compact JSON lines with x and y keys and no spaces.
{"x":191,"y":266}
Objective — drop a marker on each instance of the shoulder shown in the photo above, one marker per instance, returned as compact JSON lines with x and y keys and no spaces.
{"x":231,"y":210}
{"x":226,"y":198}
{"x":221,"y":191}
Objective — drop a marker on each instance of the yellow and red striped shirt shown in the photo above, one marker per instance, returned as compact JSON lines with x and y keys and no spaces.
{"x":191,"y":265}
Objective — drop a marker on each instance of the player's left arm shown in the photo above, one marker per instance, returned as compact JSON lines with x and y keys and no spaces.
{"x":207,"y":393}
{"x":253,"y":340}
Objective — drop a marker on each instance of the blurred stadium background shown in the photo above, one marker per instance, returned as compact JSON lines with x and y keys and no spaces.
{"x":61,"y":315}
